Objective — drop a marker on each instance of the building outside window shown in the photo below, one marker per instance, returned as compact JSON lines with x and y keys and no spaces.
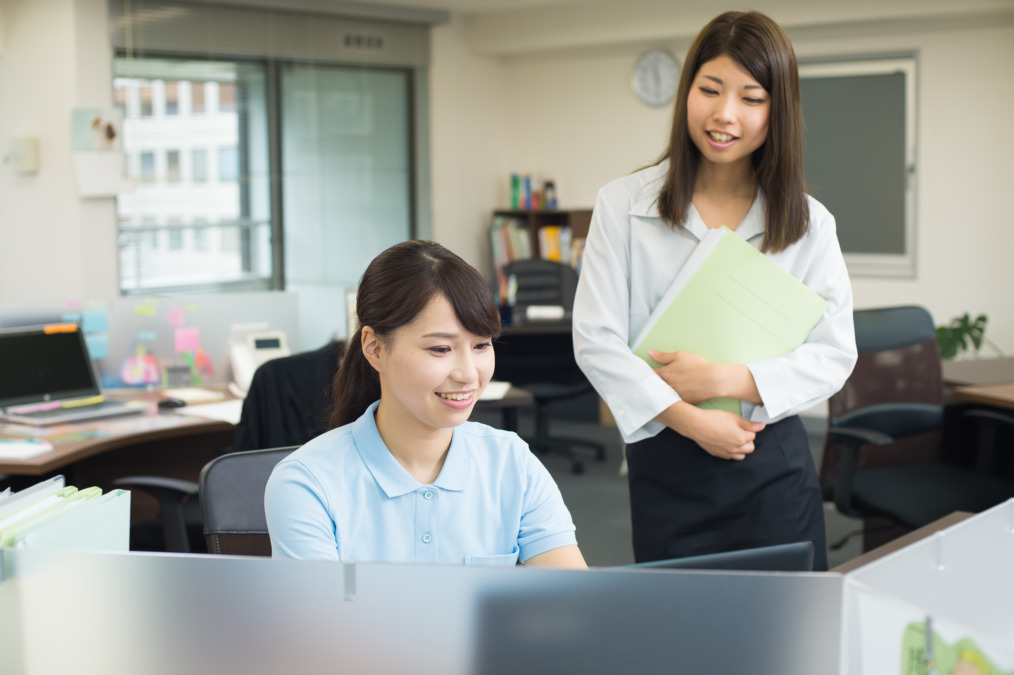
{"x":172,"y":98}
{"x":172,"y":166}
{"x":199,"y":165}
{"x":197,"y":98}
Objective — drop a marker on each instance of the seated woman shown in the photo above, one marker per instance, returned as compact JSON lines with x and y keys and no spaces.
{"x":402,"y":476}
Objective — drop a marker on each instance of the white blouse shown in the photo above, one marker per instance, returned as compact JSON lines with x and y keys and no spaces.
{"x":631,"y":258}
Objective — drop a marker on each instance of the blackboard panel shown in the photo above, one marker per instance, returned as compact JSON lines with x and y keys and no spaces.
{"x":855,"y":157}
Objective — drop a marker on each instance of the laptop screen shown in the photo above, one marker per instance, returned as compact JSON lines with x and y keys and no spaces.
{"x":44,"y":363}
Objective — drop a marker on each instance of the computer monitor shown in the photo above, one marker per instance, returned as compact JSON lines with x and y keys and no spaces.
{"x":794,"y":557}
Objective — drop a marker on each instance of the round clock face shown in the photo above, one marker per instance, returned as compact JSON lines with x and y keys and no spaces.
{"x":656,"y":77}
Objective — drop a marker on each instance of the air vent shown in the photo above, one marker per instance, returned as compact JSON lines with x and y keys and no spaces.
{"x":364,"y":42}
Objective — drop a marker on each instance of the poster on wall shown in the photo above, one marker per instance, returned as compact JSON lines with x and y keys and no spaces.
{"x":98,"y":156}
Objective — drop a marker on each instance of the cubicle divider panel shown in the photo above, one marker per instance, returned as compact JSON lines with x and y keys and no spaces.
{"x":960,"y":577}
{"x":153,"y":613}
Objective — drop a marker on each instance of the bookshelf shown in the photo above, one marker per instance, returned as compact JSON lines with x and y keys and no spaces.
{"x":524,"y":239}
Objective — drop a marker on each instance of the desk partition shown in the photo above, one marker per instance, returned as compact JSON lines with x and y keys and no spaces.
{"x":159,"y":613}
{"x":962,"y":577}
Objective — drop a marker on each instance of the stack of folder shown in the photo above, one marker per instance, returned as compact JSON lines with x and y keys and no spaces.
{"x":51,"y":514}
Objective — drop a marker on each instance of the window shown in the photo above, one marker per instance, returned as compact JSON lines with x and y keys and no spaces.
{"x":148,"y":167}
{"x":239,"y":204}
{"x":197,"y":97}
{"x":226,"y":97}
{"x":175,"y":233}
{"x":172,"y":98}
{"x":147,"y":103}
{"x":343,"y":176}
{"x":172,"y":166}
{"x":862,"y":166}
{"x":228,"y":165}
{"x":199,"y":166}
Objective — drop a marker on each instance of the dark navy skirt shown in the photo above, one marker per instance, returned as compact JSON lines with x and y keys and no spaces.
{"x":685,"y":502}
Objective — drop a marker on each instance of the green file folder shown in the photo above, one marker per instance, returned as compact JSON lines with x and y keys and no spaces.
{"x":731,"y":304}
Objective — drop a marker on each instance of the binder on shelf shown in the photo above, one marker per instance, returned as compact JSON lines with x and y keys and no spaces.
{"x":53,"y":515}
{"x":730,"y":304}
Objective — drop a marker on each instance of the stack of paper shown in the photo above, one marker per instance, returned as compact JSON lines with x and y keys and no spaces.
{"x":731,"y":304}
{"x":53,"y":515}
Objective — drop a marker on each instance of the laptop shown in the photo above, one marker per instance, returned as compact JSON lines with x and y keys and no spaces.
{"x":794,"y":557}
{"x":47,"y":377}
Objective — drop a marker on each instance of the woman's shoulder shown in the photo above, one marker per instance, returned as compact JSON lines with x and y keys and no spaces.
{"x":820,"y":217}
{"x":323,"y":450}
{"x":638,"y":186}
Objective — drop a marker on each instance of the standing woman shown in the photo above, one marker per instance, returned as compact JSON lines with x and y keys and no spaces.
{"x":402,"y":476}
{"x":704,"y":481}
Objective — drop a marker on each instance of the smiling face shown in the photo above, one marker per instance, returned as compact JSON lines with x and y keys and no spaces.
{"x":727,"y":112}
{"x":432,"y":370}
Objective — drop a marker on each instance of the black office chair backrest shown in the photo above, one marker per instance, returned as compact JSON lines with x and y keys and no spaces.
{"x":898,"y":380}
{"x":543,"y":282}
{"x":232,"y":499}
{"x":289,"y":401}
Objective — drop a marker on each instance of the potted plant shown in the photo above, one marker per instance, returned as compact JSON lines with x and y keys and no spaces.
{"x":964,"y":335}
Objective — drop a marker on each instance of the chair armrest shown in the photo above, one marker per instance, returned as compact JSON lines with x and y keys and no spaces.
{"x":170,"y":494}
{"x":851,"y":438}
{"x":157,"y":484}
{"x":849,"y":435}
{"x":990,"y":415}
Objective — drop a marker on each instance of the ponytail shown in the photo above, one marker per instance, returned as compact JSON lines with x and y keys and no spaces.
{"x":355,"y":386}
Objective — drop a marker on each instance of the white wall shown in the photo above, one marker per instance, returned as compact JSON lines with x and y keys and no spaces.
{"x":53,"y":246}
{"x":468,"y":142}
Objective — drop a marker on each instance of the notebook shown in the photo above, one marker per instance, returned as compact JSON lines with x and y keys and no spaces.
{"x":47,"y":377}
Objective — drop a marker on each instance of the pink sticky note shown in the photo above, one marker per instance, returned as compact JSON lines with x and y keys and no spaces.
{"x":176,"y":317}
{"x":188,"y":339}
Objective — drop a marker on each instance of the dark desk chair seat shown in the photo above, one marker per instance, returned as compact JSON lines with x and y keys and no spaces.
{"x":883,"y":456}
{"x":232,"y":497}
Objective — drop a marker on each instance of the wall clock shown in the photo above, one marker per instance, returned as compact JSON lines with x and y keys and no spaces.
{"x":656,"y":77}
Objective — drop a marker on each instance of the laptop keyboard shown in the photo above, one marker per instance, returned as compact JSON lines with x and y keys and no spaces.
{"x":62,"y":412}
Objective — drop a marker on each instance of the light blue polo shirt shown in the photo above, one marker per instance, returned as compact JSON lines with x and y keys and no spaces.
{"x":343,"y":496}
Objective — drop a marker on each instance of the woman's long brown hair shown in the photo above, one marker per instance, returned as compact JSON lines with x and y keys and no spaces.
{"x":396,"y":286}
{"x":761,"y":46}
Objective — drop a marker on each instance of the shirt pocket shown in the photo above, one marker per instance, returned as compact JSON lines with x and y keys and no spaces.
{"x":503,"y":559}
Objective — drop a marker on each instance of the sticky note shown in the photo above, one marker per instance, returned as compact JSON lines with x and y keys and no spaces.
{"x":71,"y":317}
{"x":176,"y":317}
{"x":147,"y":335}
{"x":95,"y":320}
{"x":145,"y":310}
{"x":98,"y":345}
{"x":74,"y":303}
{"x":188,"y":339}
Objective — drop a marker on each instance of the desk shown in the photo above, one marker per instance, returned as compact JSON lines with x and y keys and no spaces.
{"x":978,"y":371}
{"x":996,"y":395}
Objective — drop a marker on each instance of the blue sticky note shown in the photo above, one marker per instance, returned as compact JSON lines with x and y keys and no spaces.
{"x":98,"y":345}
{"x":71,"y":317}
{"x":95,"y":321}
{"x":147,"y":335}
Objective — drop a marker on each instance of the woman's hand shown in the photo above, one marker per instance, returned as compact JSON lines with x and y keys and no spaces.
{"x":697,"y":379}
{"x":721,"y":433}
{"x":693,"y":377}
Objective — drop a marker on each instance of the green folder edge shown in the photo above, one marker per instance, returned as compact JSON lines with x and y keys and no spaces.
{"x":733,"y":252}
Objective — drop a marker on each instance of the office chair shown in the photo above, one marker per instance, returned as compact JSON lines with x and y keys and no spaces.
{"x":289,"y":400}
{"x":288,"y":403}
{"x":548,"y":369}
{"x":882,"y":457}
{"x":232,"y":498}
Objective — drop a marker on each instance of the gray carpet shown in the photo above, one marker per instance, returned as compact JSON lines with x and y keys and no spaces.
{"x":599,"y":501}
